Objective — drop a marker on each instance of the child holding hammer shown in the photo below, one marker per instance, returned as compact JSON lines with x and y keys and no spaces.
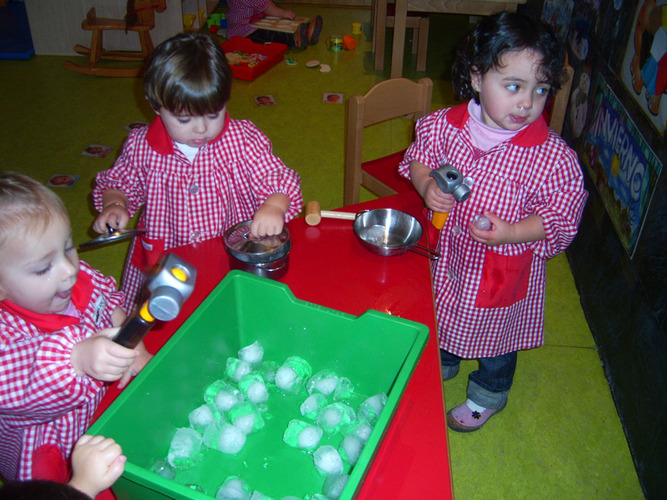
{"x":489,"y":284}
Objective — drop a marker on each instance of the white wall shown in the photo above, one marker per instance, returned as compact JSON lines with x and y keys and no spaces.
{"x":55,"y":25}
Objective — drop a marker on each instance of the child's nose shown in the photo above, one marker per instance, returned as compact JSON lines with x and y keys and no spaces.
{"x":199,"y":126}
{"x":526,"y":102}
{"x":69,"y":269}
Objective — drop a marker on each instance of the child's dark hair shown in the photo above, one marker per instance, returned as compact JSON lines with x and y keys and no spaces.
{"x":482,"y":49}
{"x":188,"y":73}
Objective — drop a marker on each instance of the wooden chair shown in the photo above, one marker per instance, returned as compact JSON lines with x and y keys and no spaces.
{"x":556,"y":108}
{"x":417,"y":21}
{"x":388,"y":100}
{"x":140,"y":18}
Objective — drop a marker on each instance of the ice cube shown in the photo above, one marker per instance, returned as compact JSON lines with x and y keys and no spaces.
{"x":350,"y":448}
{"x":268,"y":371}
{"x":246,"y":417}
{"x":184,"y":448}
{"x":334,"y":486}
{"x":302,"y":435}
{"x":234,"y":488}
{"x":335,"y":417}
{"x":312,"y":405}
{"x":162,"y":468}
{"x":252,"y":354}
{"x":328,"y":461}
{"x":324,"y":382}
{"x":360,"y":429}
{"x":253,"y":388}
{"x":370,"y":409}
{"x":201,"y":417}
{"x":224,"y":437}
{"x":293,"y":374}
{"x":223,"y":395}
{"x":344,"y":389}
{"x":236,"y":368}
{"x":257,"y":495}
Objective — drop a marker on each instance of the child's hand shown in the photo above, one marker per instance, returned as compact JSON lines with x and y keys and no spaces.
{"x":270,"y":217}
{"x":96,"y":463}
{"x":139,"y":362}
{"x":113,"y":216}
{"x":503,"y":232}
{"x":437,"y":200}
{"x":101,"y":358}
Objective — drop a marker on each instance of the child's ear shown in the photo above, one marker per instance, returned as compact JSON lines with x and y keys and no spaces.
{"x":475,"y":79}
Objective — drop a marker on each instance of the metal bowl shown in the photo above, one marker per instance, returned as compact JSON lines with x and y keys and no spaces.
{"x":266,"y":256}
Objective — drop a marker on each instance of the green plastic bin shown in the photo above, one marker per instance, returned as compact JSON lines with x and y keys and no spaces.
{"x":376,"y":351}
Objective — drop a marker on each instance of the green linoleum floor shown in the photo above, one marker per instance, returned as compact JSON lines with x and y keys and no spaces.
{"x":559,"y":437}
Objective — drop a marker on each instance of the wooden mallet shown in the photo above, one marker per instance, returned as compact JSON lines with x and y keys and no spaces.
{"x":314,"y":214}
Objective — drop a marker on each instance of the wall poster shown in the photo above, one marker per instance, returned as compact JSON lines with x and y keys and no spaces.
{"x":644,"y":69}
{"x":622,"y":165}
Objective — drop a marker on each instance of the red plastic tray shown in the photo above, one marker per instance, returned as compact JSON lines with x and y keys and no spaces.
{"x":273,"y":51}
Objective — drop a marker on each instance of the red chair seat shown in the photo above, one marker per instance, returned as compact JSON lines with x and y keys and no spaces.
{"x":385,"y":169}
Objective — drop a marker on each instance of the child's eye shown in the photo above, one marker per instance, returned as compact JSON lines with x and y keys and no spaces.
{"x":543,"y":90}
{"x":183,"y":120}
{"x":213,"y":116}
{"x":512,"y":87}
{"x":43,"y":271}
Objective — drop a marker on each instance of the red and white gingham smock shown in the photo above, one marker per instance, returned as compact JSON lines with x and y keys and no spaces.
{"x":490,"y":300}
{"x":240,"y":13}
{"x":184,"y":202}
{"x":42,"y":400}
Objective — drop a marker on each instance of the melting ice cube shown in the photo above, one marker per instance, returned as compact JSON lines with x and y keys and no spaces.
{"x":334,"y":486}
{"x":312,"y":405}
{"x":234,"y":488}
{"x":302,"y":435}
{"x":236,"y":368}
{"x":293,"y":374}
{"x":184,"y":448}
{"x":252,"y":354}
{"x":224,"y":437}
{"x":328,"y":461}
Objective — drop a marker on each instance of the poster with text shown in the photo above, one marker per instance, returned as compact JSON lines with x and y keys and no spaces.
{"x":622,"y":165}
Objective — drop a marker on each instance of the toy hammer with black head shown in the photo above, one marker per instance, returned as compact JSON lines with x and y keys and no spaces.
{"x":170,"y":286}
{"x":449,"y":180}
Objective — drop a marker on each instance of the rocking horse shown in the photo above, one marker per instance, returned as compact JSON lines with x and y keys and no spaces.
{"x":140,"y":17}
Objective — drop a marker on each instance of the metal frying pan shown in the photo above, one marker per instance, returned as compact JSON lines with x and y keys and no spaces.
{"x":386,"y":231}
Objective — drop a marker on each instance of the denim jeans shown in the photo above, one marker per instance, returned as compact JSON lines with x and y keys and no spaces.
{"x":489,"y":385}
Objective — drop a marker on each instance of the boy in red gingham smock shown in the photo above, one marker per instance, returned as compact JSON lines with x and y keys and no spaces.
{"x":195,"y":171}
{"x":56,"y":314}
{"x":524,"y":179}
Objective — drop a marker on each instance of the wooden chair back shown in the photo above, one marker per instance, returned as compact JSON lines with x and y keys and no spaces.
{"x":562,"y":97}
{"x":387,"y":100}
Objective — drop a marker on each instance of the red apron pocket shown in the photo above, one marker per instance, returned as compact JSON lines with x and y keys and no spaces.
{"x":504,"y":279}
{"x":146,"y":253}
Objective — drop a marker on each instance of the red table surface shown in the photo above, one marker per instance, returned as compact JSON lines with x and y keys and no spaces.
{"x":330,"y":267}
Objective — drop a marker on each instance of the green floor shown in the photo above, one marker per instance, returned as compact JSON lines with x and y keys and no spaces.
{"x":559,"y":437}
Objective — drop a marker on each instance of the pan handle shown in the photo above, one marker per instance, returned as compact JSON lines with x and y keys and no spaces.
{"x":426,"y":252}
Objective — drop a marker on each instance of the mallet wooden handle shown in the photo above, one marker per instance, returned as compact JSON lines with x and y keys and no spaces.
{"x":314,"y":214}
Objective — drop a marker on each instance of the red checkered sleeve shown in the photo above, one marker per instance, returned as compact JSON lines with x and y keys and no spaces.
{"x":559,"y":201}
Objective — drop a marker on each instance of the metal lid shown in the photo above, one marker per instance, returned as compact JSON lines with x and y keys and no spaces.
{"x":242,"y":245}
{"x":112,"y":237}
